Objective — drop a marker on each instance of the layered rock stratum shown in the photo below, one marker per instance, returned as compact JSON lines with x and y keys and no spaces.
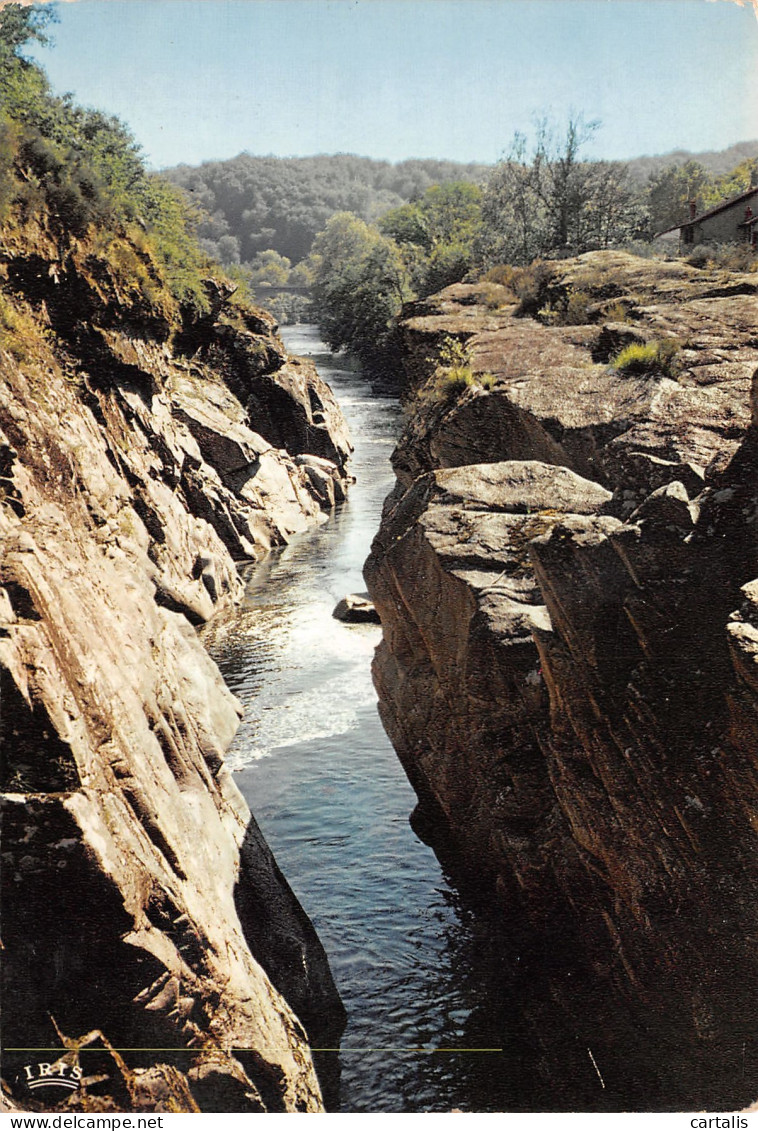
{"x":146,"y":927}
{"x":567,"y":578}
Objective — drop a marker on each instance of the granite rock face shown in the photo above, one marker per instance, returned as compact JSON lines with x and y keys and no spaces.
{"x":566,"y":578}
{"x":140,"y":902}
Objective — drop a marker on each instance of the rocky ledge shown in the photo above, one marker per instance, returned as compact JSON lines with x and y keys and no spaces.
{"x":567,"y":578}
{"x":151,"y":945}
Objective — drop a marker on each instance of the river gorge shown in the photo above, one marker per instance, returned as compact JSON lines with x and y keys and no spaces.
{"x":418,"y":968}
{"x":521,"y":1021}
{"x":316,"y":767}
{"x":563,"y":559}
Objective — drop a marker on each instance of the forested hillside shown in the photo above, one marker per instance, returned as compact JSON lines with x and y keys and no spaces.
{"x":715,"y":162}
{"x":253,"y":204}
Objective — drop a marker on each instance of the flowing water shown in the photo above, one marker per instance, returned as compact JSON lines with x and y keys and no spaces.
{"x":327,"y":789}
{"x":417,"y":971}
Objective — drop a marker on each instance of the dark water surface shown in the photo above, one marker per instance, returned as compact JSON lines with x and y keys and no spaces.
{"x":416,"y":970}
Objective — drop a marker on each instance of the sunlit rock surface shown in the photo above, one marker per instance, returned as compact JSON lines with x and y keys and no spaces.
{"x":140,"y":902}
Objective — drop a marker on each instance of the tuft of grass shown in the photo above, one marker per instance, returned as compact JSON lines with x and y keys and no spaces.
{"x":652,"y":357}
{"x":501,"y":275}
{"x":495,"y":295}
{"x":452,"y":375}
{"x":452,"y":381}
{"x":577,"y":312}
{"x":453,"y":372}
{"x":527,"y":285}
{"x":573,"y":311}
{"x":617,"y":312}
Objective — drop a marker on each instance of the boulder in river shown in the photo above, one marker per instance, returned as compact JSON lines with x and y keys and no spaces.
{"x":356,"y":608}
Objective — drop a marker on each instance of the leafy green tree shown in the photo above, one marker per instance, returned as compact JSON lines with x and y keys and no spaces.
{"x":613,"y":210}
{"x":229,"y":250}
{"x":20,"y":25}
{"x":302,"y":275}
{"x":740,"y":179}
{"x":438,"y":234}
{"x":670,"y":191}
{"x":24,"y":89}
{"x":515,"y":222}
{"x":445,"y":214}
{"x":270,"y":268}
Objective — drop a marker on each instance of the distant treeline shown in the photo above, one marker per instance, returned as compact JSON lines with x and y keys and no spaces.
{"x":714,"y":162}
{"x":362,"y":237}
{"x":254,"y":206}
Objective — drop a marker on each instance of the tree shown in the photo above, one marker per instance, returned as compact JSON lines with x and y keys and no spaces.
{"x":269,"y":268}
{"x":229,"y":251}
{"x":669,"y":194}
{"x":21,"y":24}
{"x":562,"y":180}
{"x":550,"y":202}
{"x":360,"y":284}
{"x":740,"y":179}
{"x":23,"y":85}
{"x":613,"y":210}
{"x":515,"y":220}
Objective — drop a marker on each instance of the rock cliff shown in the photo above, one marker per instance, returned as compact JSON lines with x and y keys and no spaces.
{"x":146,"y":927}
{"x":567,"y":578}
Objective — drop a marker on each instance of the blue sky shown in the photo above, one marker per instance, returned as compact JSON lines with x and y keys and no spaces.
{"x":206,"y":79}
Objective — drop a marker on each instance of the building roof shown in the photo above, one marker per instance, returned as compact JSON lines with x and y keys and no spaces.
{"x":723,"y":207}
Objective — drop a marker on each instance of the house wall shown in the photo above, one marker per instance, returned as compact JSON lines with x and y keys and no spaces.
{"x":724,"y":228}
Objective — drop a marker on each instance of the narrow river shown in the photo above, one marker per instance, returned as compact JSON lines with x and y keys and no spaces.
{"x":415,"y":968}
{"x":326,"y":787}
